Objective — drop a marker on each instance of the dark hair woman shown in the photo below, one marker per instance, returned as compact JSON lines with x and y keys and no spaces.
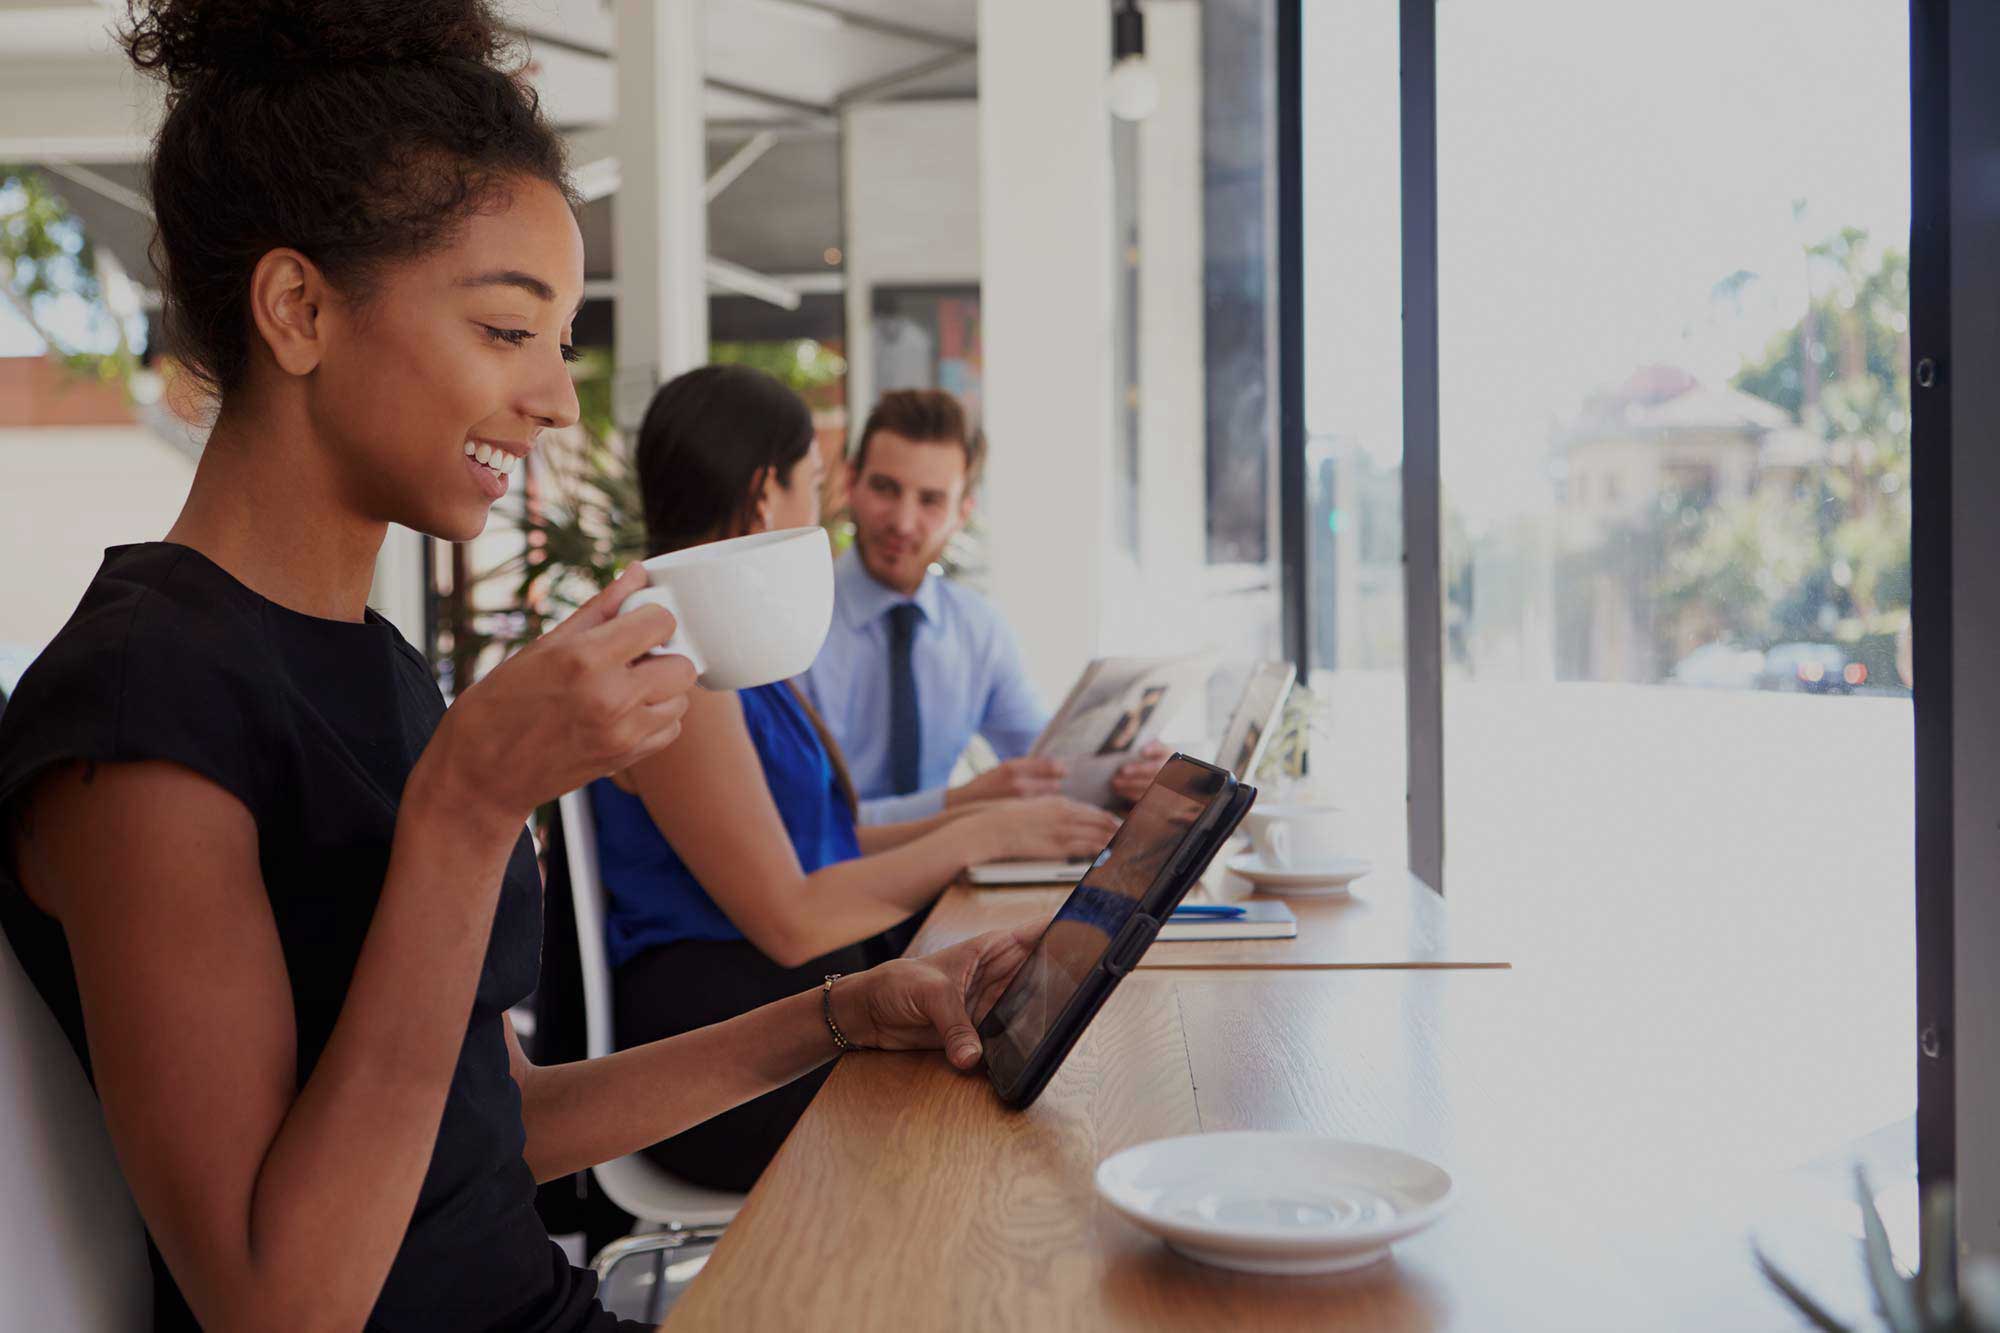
{"x":733,"y":866}
{"x":276,"y":893}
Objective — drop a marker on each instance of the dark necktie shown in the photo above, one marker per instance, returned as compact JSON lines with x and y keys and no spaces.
{"x":905,"y":728}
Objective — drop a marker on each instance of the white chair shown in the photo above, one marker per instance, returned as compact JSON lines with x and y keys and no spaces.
{"x":72,"y":1248}
{"x":686,"y":1213}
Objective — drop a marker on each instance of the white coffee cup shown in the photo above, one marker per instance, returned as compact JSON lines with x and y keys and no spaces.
{"x":751,"y":610}
{"x":1296,"y":835}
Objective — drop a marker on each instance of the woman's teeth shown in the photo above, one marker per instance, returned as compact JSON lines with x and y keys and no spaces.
{"x":499,"y":460}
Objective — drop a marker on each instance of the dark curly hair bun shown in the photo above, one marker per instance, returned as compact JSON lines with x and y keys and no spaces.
{"x":185,"y":41}
{"x":358,"y":132}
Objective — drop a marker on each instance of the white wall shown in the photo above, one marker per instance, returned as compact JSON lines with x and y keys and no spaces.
{"x":1047,"y":302}
{"x":1045,"y":175}
{"x":69,"y":492}
{"x":910,"y":199}
{"x":1153,"y":611}
{"x":72,"y":491}
{"x":398,"y":589}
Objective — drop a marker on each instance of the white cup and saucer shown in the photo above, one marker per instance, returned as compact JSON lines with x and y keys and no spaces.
{"x":751,"y":610}
{"x":1296,"y":849}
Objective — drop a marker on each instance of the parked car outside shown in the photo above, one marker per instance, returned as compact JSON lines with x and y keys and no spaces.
{"x":1719,"y":666}
{"x":1811,"y":668}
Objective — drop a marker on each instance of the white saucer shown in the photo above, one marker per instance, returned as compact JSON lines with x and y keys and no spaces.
{"x":1274,"y":1203}
{"x":1301,"y":881}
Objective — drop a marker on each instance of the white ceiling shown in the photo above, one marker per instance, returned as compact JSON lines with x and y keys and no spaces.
{"x":66,"y":93}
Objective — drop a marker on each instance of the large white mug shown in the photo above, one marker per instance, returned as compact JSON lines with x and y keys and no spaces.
{"x":751,"y":610}
{"x":1296,"y":835}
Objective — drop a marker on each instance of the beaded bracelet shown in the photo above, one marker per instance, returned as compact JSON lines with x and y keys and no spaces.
{"x":826,"y":1008}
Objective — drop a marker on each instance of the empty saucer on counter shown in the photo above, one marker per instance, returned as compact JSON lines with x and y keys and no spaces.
{"x":1274,"y":1203}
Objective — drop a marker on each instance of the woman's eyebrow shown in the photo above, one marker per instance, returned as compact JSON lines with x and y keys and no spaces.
{"x":527,"y":282}
{"x":511,"y":277}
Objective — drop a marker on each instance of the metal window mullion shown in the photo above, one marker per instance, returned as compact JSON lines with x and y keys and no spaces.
{"x":1295,"y":572}
{"x":1931,"y":541}
{"x":1423,"y":610}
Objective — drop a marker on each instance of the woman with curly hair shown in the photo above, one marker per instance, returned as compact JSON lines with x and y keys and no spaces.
{"x":278,"y":896}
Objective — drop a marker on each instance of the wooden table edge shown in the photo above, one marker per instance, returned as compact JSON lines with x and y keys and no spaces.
{"x":1420,"y":965}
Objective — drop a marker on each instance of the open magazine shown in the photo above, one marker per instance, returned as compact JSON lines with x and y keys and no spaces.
{"x":1116,"y":706}
{"x":1121,"y":687}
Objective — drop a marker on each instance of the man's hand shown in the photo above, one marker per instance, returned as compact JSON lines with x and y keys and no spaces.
{"x":1016,"y":777}
{"x":919,"y":1004}
{"x":1130,"y":782}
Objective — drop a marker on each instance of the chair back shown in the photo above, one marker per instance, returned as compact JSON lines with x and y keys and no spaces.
{"x":636,"y":1184}
{"x":586,"y":887}
{"x":72,"y":1248}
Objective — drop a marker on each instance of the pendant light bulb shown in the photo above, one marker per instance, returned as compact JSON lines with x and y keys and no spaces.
{"x":1132,"y":90}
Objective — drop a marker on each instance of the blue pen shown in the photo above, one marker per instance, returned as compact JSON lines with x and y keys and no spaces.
{"x":1223,"y":910}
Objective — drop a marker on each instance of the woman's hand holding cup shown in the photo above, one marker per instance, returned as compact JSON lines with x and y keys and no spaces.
{"x":584,"y":700}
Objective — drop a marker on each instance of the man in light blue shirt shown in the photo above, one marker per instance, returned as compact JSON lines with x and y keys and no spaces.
{"x":914,"y":665}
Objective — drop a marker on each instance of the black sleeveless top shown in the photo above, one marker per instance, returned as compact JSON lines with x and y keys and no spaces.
{"x":314,"y":725}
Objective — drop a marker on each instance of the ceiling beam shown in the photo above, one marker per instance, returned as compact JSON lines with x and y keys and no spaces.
{"x":779,"y":101}
{"x":849,"y":18}
{"x":739,"y":162}
{"x":598,"y":177}
{"x":95,"y":110}
{"x":874,"y":90}
{"x":749,"y":282}
{"x":98,"y":183}
{"x":728,"y":127}
{"x":555,"y":41}
{"x":776,"y":101}
{"x":595,"y":179}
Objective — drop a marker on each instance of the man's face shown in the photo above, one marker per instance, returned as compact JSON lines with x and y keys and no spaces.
{"x":908,"y":498}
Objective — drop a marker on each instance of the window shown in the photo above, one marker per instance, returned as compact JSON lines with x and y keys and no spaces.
{"x":1672,"y":459}
{"x":1354,"y":408}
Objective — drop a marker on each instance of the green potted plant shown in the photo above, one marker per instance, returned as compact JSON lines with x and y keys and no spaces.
{"x":1287,"y":768}
{"x":1937,"y":1298}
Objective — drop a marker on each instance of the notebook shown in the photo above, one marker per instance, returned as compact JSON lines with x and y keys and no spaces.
{"x":1262,"y":919}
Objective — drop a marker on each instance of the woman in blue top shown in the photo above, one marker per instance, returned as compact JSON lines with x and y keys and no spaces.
{"x":734,"y":870}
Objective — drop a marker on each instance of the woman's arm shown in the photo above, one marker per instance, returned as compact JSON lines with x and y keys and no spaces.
{"x":591,"y":1111}
{"x":275,"y":1205}
{"x":709,"y":798}
{"x":881,"y":837}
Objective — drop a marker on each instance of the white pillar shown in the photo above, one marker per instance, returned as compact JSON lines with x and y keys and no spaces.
{"x":1173,"y":460}
{"x":660,"y":213}
{"x":1045,"y":302}
{"x":854,"y":257}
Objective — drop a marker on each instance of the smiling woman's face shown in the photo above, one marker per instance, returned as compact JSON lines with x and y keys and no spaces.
{"x":466,"y":347}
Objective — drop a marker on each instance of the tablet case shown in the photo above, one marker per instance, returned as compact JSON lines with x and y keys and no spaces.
{"x":1231,"y":802}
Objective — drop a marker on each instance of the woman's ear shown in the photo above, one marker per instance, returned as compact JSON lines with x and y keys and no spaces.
{"x":286,"y":293}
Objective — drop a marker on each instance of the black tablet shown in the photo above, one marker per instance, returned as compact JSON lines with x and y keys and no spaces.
{"x":1111,"y":916}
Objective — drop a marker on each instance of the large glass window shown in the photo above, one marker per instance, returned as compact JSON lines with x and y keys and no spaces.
{"x":1354,"y":411}
{"x":1673,"y":371}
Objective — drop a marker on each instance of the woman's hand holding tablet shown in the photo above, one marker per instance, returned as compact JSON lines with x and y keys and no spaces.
{"x":913,"y":1004}
{"x":1109,"y":919}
